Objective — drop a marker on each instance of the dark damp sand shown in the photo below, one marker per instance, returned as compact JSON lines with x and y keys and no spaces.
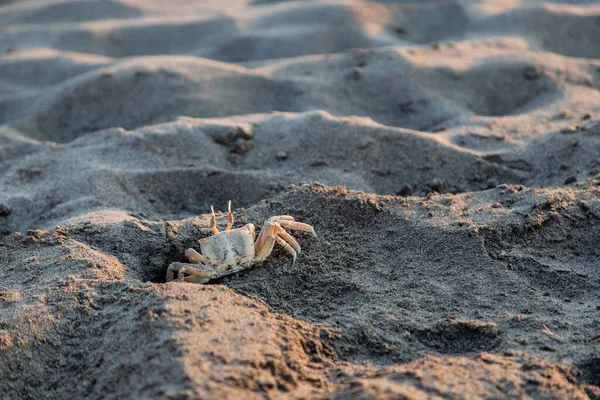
{"x":458,"y":150}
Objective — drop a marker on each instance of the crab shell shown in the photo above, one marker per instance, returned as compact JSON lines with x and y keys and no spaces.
{"x":229,"y":251}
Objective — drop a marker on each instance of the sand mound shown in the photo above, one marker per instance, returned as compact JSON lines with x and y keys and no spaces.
{"x":363,"y":300}
{"x":391,"y":86}
{"x":457,"y":216}
{"x":196,"y":163}
{"x":439,"y":378}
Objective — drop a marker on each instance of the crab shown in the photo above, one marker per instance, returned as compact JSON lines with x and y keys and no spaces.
{"x":234,"y":250}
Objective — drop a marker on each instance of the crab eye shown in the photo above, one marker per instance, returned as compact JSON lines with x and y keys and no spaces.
{"x":249,"y":227}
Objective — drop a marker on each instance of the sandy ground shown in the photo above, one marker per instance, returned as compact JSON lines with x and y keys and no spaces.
{"x":446,"y":152}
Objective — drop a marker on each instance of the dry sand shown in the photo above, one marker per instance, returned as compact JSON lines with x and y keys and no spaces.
{"x":457,"y":146}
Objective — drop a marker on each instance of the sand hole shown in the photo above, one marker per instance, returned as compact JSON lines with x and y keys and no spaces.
{"x":590,"y":371}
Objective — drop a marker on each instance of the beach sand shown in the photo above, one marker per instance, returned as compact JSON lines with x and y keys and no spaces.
{"x":446,"y":152}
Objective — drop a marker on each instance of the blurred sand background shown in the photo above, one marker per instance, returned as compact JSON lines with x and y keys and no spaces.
{"x":456,"y":146}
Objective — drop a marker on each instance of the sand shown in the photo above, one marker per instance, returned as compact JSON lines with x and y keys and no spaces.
{"x":447,"y":154}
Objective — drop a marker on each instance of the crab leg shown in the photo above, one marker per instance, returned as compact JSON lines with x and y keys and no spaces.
{"x":264,"y":251}
{"x":269,"y":235}
{"x":287,"y":247}
{"x":298,"y":226}
{"x":196,"y":272}
{"x":287,"y":221}
{"x":229,"y":216}
{"x":265,"y":241}
{"x":173,"y":267}
{"x":194,"y":257}
{"x":278,"y":218}
{"x":288,"y":238}
{"x":269,"y":243}
{"x":213,"y":218}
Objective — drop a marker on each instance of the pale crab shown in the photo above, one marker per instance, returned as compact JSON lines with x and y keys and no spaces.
{"x":234,"y":250}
